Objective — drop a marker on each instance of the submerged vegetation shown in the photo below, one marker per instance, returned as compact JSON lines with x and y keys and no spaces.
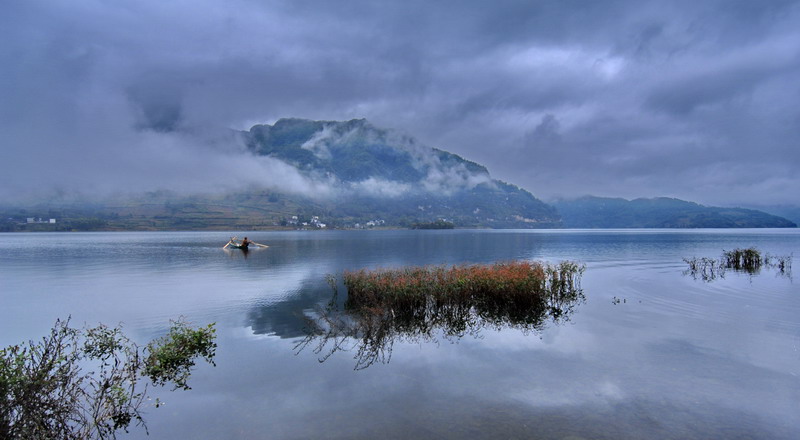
{"x":88,"y":383}
{"x":749,"y":260}
{"x":419,"y":303}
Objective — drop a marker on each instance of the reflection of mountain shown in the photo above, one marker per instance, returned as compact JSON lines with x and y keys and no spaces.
{"x":287,"y":318}
{"x":371,"y":329}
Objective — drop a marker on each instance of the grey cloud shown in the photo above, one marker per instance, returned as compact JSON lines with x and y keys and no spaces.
{"x":158,"y":107}
{"x":436,"y":175}
{"x":547,"y":132}
{"x":650,"y":98}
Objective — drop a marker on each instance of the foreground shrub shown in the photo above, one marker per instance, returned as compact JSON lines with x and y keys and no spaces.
{"x":87,"y":383}
{"x":171,"y":358}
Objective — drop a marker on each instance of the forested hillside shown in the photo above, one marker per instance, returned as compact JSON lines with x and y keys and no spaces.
{"x":661,"y":212}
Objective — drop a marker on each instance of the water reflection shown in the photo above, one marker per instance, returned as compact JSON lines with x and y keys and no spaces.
{"x":287,"y":317}
{"x":685,"y":360}
{"x":237,"y":251}
{"x":370,"y":332}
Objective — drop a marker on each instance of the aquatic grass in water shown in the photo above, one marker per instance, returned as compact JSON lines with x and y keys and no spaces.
{"x":707,"y":269}
{"x":417,"y":303}
{"x":412,"y":286}
{"x":747,"y":260}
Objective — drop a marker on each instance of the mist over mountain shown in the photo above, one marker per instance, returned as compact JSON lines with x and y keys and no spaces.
{"x":361,"y":157}
{"x":322,"y":174}
{"x":377,"y":172}
{"x":339,"y":173}
{"x":660,"y":212}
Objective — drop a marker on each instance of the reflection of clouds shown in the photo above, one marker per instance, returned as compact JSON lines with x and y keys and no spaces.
{"x":119,"y":277}
{"x":616,"y":354}
{"x":263,"y":389}
{"x":639,"y":354}
{"x":695,"y":360}
{"x":649,"y":366}
{"x":593,"y":393}
{"x":605,"y":370}
{"x":564,"y":339}
{"x":642,"y":370}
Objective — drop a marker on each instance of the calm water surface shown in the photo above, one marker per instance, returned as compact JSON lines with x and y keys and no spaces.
{"x":651,"y":353}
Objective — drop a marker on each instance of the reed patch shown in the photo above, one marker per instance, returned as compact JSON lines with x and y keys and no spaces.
{"x":745,"y":260}
{"x":423,"y":303}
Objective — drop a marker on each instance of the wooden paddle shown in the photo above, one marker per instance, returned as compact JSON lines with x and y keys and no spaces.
{"x":230,"y":242}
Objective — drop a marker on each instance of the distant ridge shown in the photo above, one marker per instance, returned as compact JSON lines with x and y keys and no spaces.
{"x":355,"y":175}
{"x":790,"y":212}
{"x":660,"y":212}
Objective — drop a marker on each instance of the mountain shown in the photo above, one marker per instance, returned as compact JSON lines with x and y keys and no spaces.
{"x":351,"y":174}
{"x":661,"y":212}
{"x":356,"y":151}
{"x":344,"y":174}
{"x":377,"y":173}
{"x":790,"y":212}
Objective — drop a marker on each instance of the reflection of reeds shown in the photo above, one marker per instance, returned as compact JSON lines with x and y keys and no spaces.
{"x":707,"y":269}
{"x":783,"y":263}
{"x":747,"y":260}
{"x":415,"y":303}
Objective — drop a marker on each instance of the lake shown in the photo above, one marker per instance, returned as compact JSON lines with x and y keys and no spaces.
{"x":649,"y":353}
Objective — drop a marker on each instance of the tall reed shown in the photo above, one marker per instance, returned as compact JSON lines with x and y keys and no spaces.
{"x":416,"y":303}
{"x":413,"y":287}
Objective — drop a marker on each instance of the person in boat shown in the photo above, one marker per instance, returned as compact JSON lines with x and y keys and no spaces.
{"x":245,"y":243}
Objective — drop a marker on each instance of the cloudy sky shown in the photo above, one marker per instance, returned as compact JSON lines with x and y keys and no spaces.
{"x":692,"y":99}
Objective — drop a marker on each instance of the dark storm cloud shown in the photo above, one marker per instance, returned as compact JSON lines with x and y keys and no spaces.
{"x":625,"y":98}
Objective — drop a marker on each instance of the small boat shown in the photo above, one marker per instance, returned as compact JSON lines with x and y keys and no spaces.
{"x":233,"y":244}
